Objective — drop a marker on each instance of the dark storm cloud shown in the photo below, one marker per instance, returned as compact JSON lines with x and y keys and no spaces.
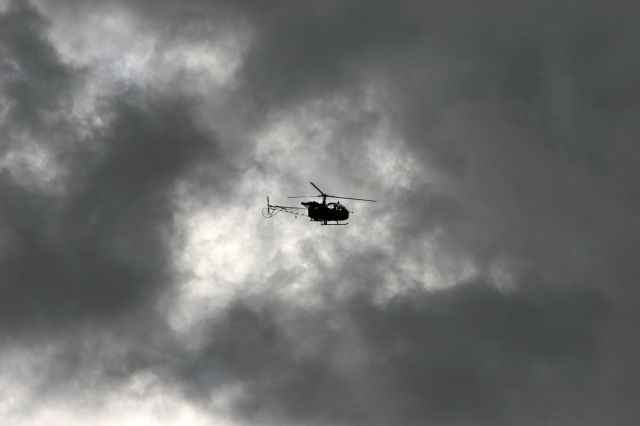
{"x":470,"y":355}
{"x":307,"y":51}
{"x":34,"y":81}
{"x":525,"y":109}
{"x":102,"y":246}
{"x":527,"y":114}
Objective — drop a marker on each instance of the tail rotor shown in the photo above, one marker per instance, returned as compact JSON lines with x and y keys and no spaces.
{"x":268,"y":212}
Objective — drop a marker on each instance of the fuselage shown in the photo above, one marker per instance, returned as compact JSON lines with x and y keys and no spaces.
{"x":326,"y":212}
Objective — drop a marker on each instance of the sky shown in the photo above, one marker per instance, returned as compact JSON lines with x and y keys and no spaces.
{"x":494,"y":283}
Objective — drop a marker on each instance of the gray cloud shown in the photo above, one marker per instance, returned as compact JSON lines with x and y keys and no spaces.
{"x":466,"y":355}
{"x":102,"y":246}
{"x":34,"y":81}
{"x":520,"y":201}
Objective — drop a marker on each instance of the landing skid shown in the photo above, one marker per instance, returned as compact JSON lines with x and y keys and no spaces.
{"x":335,"y":224}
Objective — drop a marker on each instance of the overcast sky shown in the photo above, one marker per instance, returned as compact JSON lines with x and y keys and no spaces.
{"x":496,"y":281}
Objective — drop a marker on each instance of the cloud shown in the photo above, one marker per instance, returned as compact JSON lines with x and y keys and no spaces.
{"x":468,"y":354}
{"x":102,"y":244}
{"x":492,"y":284}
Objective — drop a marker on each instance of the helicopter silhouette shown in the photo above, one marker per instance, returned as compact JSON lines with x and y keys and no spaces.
{"x":317,"y":212}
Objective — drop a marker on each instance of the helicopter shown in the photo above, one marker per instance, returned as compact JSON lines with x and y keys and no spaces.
{"x":317,"y":212}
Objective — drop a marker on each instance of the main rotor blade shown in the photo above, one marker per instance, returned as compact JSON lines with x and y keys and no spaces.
{"x":305,"y":196}
{"x":319,"y":190}
{"x":351,"y":198}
